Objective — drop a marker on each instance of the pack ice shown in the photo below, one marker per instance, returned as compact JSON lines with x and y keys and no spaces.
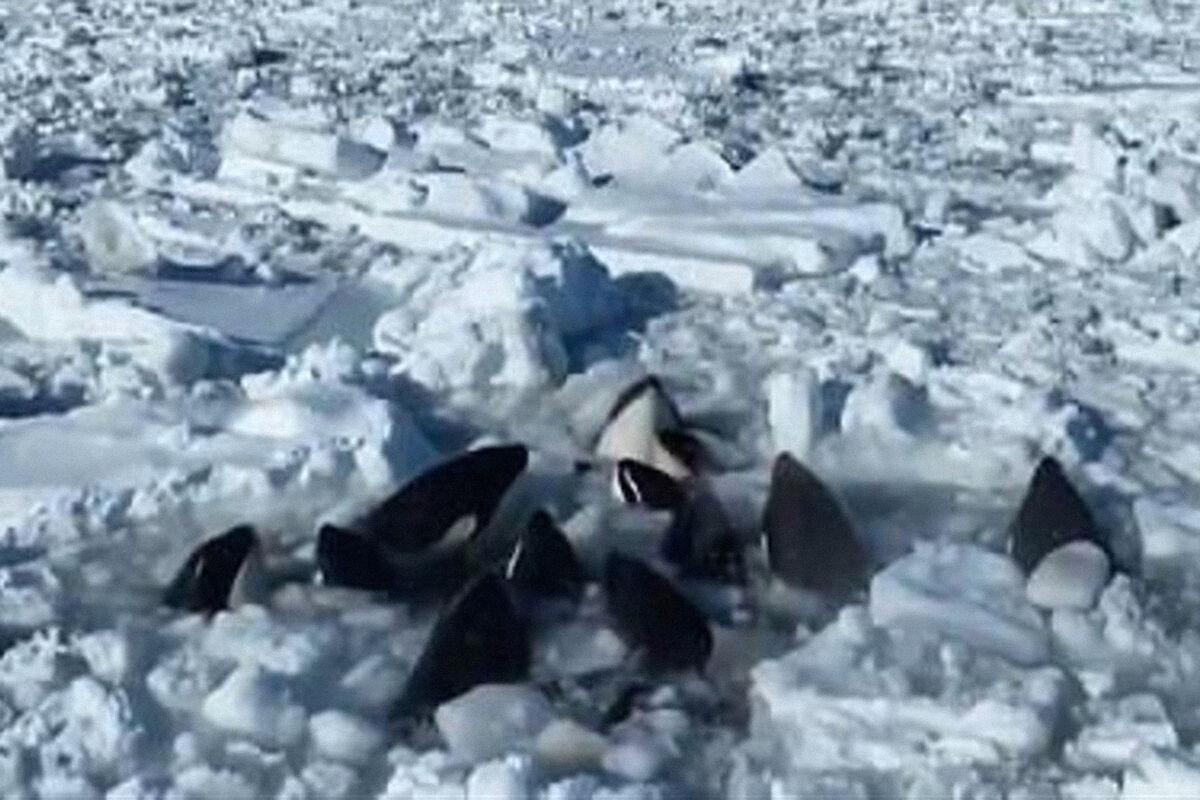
{"x":619,"y":400}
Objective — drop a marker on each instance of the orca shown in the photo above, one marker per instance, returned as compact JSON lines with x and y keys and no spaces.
{"x":1052,"y":515}
{"x":544,"y":564}
{"x":809,"y":539}
{"x":641,"y":484}
{"x":346,"y":558}
{"x":702,"y":543}
{"x":351,"y":560}
{"x":448,"y":504}
{"x":654,"y":618}
{"x":221,"y":573}
{"x":478,"y":639}
{"x":428,"y":538}
{"x":635,"y":428}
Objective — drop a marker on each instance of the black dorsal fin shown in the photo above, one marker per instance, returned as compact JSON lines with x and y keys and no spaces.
{"x":810,"y":541}
{"x":1052,"y":513}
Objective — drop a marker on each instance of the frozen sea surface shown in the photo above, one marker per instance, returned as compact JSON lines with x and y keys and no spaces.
{"x":264,"y":262}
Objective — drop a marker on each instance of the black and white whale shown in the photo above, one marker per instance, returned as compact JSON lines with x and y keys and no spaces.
{"x":702,"y":543}
{"x":454,"y":498}
{"x":223,"y":572}
{"x":810,"y":542}
{"x":645,"y":425}
{"x":353,"y":560}
{"x":1057,"y":543}
{"x":543,"y":565}
{"x":480,"y":638}
{"x":654,"y":618}
{"x":433,"y":534}
{"x":643,"y":485}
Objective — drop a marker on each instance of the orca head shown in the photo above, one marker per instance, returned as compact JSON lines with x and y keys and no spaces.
{"x":702,"y":543}
{"x":641,"y":417}
{"x":454,"y":500}
{"x":478,"y":639}
{"x":543,"y":564}
{"x":349,"y":559}
{"x":641,"y":484}
{"x":217,"y":572}
{"x":655,"y":618}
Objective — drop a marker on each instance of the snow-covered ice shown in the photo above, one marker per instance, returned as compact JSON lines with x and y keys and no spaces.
{"x":964,"y":593}
{"x":263,"y":263}
{"x":492,"y":720}
{"x":255,"y":703}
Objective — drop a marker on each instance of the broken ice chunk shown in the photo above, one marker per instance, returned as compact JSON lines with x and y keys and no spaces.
{"x":507,"y":779}
{"x":965,"y":593}
{"x":565,"y":747}
{"x":1122,"y":729}
{"x":492,"y":720}
{"x":113,"y":240}
{"x":1070,"y":576}
{"x":256,"y":704}
{"x":275,"y":141}
{"x":858,"y":697}
{"x":794,"y":410}
{"x":886,"y":405}
{"x":343,"y":737}
{"x":1158,"y":774}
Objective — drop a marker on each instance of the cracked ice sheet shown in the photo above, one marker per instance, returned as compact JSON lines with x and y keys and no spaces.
{"x":856,"y":697}
{"x":258,"y":314}
{"x":123,"y":452}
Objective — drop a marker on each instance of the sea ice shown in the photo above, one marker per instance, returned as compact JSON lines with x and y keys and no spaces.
{"x":1070,"y":576}
{"x":45,"y":307}
{"x":1158,"y":774}
{"x":856,"y":697}
{"x":112,"y":239}
{"x":257,"y":704}
{"x":794,"y":410}
{"x":886,"y":405}
{"x":565,"y":747}
{"x":965,"y":593}
{"x":492,"y":720}
{"x":507,"y":779}
{"x":1119,"y":732}
{"x":249,"y":635}
{"x":1169,"y":527}
{"x":492,"y":329}
{"x":577,"y":648}
{"x":343,"y":737}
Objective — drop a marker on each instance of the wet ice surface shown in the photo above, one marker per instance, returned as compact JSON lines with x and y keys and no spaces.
{"x":262,"y":264}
